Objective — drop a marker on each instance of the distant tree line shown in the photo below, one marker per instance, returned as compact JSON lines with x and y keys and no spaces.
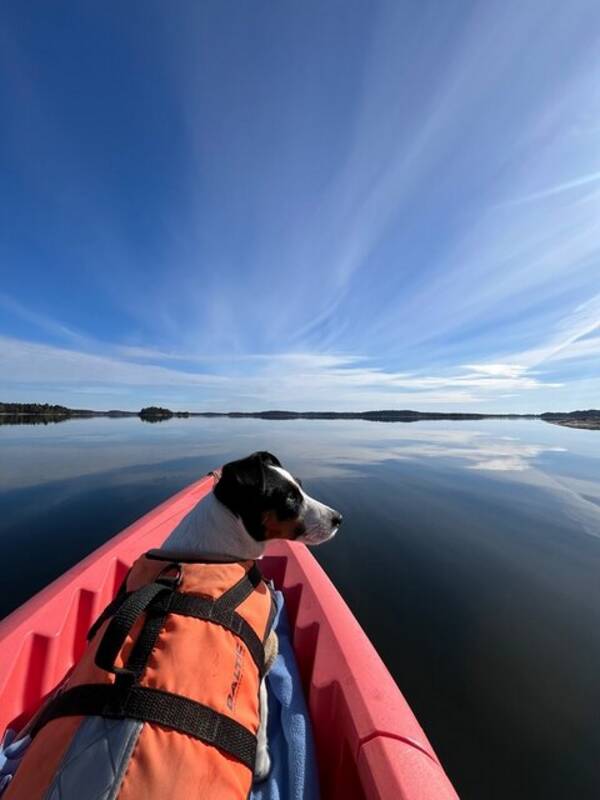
{"x":34,"y":412}
{"x":553,"y":416}
{"x":45,"y":409}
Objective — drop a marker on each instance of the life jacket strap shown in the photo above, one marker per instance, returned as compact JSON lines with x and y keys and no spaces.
{"x":156,"y":706}
{"x":130,"y":609}
{"x":110,"y":609}
{"x":241,"y":590}
{"x":161,"y":598}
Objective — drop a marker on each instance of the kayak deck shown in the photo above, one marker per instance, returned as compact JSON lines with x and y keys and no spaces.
{"x":368,"y":742}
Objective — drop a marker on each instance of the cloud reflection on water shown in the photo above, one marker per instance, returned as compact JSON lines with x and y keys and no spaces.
{"x":321,"y":449}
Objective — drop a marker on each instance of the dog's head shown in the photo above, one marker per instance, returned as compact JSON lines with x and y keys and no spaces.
{"x":272,"y":504}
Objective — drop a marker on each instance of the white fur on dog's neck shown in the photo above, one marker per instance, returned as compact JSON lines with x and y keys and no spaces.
{"x":212,"y":531}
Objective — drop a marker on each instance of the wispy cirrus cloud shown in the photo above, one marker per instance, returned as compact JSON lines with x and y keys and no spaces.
{"x":571,"y":340}
{"x":551,"y":191}
{"x":299,"y":381}
{"x":497,"y":370}
{"x":422,"y":176}
{"x":25,"y":362}
{"x":586,"y":348}
{"x":40,"y":322}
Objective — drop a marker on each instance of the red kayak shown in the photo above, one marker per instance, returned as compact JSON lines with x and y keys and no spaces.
{"x":368,"y":742}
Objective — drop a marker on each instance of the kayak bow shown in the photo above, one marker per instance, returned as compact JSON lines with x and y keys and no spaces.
{"x":368,"y":742}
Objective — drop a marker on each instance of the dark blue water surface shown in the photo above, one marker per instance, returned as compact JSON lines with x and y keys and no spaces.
{"x":470,"y":553}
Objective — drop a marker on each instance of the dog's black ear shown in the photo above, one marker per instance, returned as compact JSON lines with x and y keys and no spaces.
{"x":243,"y":487}
{"x":267,"y":458}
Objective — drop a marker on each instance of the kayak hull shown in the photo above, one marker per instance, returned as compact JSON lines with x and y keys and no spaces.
{"x":368,"y":742}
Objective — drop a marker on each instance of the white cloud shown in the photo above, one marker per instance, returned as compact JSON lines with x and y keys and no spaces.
{"x":498,"y":370}
{"x":298,"y":381}
{"x":24,"y":362}
{"x":583,"y":180}
{"x":570,"y":339}
{"x":41,"y":321}
{"x":587,"y":348}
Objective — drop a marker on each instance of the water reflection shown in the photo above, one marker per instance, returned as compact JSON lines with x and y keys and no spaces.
{"x":469,"y":553}
{"x":29,"y":419}
{"x":529,"y":452}
{"x":326,"y":449}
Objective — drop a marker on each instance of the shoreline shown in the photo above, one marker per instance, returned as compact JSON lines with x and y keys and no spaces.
{"x":10,"y":413}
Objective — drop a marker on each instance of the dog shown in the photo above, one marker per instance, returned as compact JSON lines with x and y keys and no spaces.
{"x":254,"y":501}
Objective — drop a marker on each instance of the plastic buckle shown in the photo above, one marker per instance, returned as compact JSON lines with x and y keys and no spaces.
{"x":170,"y":581}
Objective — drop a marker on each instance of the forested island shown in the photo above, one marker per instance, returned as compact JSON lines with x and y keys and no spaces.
{"x":589,"y":419}
{"x":157,"y":414}
{"x":31,"y":413}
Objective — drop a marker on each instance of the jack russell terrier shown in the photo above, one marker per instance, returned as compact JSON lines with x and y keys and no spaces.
{"x":254,"y":501}
{"x":123,"y":703}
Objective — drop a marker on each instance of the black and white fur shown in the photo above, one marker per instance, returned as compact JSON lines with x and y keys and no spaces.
{"x":254,"y":501}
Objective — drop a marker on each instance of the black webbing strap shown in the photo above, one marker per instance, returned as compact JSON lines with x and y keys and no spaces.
{"x":233,"y":597}
{"x":154,"y":705}
{"x":122,"y":622}
{"x":144,"y":645}
{"x":108,"y":612}
{"x":110,"y":609}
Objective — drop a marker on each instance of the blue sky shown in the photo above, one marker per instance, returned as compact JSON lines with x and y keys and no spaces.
{"x":342,"y":205}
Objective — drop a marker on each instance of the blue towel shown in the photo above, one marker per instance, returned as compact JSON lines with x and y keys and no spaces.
{"x":12,"y":751}
{"x":293,"y":773}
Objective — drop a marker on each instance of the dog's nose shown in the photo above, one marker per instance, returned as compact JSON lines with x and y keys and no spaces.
{"x":336,"y":520}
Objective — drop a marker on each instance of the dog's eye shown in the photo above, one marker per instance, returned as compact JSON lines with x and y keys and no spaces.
{"x":287,"y":504}
{"x":293,"y":498}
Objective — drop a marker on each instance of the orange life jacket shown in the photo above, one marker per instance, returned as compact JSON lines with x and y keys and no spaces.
{"x":179,"y":655}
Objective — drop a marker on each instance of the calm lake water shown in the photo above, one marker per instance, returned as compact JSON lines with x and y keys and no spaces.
{"x":470,"y":553}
